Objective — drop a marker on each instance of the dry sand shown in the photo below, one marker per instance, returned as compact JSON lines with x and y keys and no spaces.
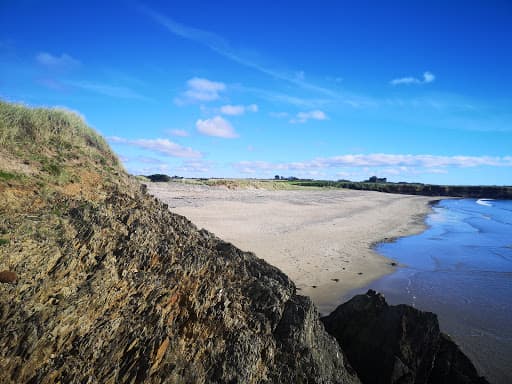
{"x":322,"y":238}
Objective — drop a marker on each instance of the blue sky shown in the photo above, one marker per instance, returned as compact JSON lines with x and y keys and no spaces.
{"x":409,"y":90}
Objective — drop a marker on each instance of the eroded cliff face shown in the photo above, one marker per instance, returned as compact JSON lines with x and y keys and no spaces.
{"x":112,"y":287}
{"x":397,"y":344}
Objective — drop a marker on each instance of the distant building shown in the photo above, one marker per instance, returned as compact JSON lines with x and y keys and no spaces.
{"x":375,"y":179}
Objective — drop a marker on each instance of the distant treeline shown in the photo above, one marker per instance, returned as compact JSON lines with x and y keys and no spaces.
{"x":161,"y":178}
{"x":471,"y":191}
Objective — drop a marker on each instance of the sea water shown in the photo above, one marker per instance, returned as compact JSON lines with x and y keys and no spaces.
{"x":461,"y":269}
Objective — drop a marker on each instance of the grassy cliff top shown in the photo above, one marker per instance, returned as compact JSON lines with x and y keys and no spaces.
{"x":44,"y":152}
{"x":25,"y":131}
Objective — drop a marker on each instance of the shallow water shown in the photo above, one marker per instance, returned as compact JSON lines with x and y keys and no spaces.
{"x":461,"y":269}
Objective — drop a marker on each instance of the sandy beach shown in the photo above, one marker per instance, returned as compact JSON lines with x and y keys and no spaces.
{"x":321,"y":238}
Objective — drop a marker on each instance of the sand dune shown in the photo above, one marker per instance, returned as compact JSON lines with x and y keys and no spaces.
{"x":322,"y":239}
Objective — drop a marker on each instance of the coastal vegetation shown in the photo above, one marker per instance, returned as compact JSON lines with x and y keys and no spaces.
{"x":470,"y":191}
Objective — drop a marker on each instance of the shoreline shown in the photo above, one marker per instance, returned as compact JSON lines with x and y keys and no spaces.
{"x":322,"y":239}
{"x":420,"y":222}
{"x":418,"y":226}
{"x":452,"y":270}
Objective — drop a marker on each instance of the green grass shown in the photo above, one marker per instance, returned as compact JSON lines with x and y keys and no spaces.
{"x":28,"y":130}
{"x":53,"y":169}
{"x":4,"y":241}
{"x":473,"y":191}
{"x":6,"y":176}
{"x":246,"y":184}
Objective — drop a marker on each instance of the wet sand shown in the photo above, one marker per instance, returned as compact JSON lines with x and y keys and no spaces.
{"x":321,"y":238}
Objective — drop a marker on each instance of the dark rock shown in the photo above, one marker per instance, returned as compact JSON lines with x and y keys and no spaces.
{"x":397,"y":344}
{"x":8,"y":277}
{"x":143,"y":296}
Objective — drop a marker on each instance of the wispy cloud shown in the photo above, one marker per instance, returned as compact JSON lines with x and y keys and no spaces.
{"x":108,"y":90}
{"x":279,"y":115}
{"x":52,"y":84}
{"x":64,"y":61}
{"x":345,"y":99}
{"x":148,"y":160}
{"x":177,"y":132}
{"x":161,"y":146}
{"x":195,"y":166}
{"x":216,"y":126}
{"x":200,"y":90}
{"x":303,"y":117}
{"x":220,"y":45}
{"x":428,"y":77}
{"x":235,"y":110}
{"x":282,"y":98}
{"x":407,"y":162}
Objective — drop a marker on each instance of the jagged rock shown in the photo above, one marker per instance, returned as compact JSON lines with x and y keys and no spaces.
{"x":139,"y":294}
{"x":114,"y":288}
{"x":397,"y":344}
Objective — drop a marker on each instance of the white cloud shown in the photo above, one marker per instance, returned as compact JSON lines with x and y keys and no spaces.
{"x":148,"y":160}
{"x":195,"y":166}
{"x":64,"y":61}
{"x":216,"y":126}
{"x":232,"y":110}
{"x":428,"y":161}
{"x":279,"y":115}
{"x":303,"y":117}
{"x":428,"y":77}
{"x":391,"y":162}
{"x":235,"y":110}
{"x":178,"y":132}
{"x":201,"y":90}
{"x":162,"y":146}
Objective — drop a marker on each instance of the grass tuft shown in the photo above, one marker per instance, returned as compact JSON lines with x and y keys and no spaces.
{"x":6,"y":176}
{"x":58,"y":130}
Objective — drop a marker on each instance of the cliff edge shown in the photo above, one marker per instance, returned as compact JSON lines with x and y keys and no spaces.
{"x":101,"y":283}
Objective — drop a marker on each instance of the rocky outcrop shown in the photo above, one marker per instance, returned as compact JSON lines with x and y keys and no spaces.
{"x":397,"y":344}
{"x":105,"y":285}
